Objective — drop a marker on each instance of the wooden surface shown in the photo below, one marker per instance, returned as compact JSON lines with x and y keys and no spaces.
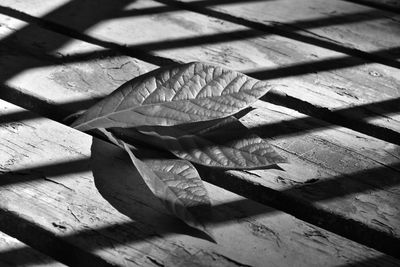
{"x":82,"y":193}
{"x":334,"y":112}
{"x":14,"y":253}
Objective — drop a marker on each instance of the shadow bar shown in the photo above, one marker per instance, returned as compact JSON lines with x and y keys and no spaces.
{"x":371,"y":262}
{"x":285,"y":30}
{"x":36,"y":107}
{"x":303,"y":24}
{"x":297,"y":201}
{"x":307,"y":211}
{"x":42,"y":107}
{"x":352,"y":118}
{"x":315,"y":66}
{"x":46,"y":242}
{"x":165,"y":9}
{"x":385,"y":5}
{"x":60,"y":248}
{"x":67,"y":31}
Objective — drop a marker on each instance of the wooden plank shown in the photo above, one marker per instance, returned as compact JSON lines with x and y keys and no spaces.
{"x":352,"y":118}
{"x":15,"y":253}
{"x":325,"y":77}
{"x":341,"y":22}
{"x":387,"y":5}
{"x":82,"y":81}
{"x":68,"y":188}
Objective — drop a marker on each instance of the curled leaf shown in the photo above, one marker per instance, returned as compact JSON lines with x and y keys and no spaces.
{"x":176,"y":183}
{"x":227,"y":144}
{"x":174,"y":95}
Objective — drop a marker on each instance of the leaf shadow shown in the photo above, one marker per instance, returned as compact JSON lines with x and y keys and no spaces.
{"x":121,"y":185}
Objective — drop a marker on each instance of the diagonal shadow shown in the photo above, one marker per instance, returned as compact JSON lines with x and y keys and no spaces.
{"x":316,"y":66}
{"x":299,"y":24}
{"x":23,"y":256}
{"x":44,"y":241}
{"x":126,"y":233}
{"x":391,"y":6}
{"x":36,"y":107}
{"x":285,"y":30}
{"x":297,"y":201}
{"x":215,"y":38}
{"x":165,"y":9}
{"x":44,"y":171}
{"x":353,"y":117}
{"x":123,"y":228}
{"x":383,"y":260}
{"x":60,"y":44}
{"x":304,"y":68}
{"x":374,"y":130}
{"x":66,"y":33}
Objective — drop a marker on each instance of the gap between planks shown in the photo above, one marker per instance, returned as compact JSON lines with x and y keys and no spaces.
{"x":350,"y":118}
{"x":78,"y":36}
{"x":80,"y":224}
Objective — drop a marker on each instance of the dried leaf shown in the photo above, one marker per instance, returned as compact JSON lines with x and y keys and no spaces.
{"x":227,"y":144}
{"x":170,"y":96}
{"x":176,"y":183}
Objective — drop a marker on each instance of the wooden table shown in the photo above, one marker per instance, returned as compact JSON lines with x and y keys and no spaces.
{"x":69,"y":198}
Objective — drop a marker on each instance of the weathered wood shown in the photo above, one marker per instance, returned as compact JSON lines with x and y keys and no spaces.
{"x":67,"y":188}
{"x":261,"y":20}
{"x":268,"y":56}
{"x":341,"y":184}
{"x":15,"y":253}
{"x":388,"y":5}
{"x":343,"y":23}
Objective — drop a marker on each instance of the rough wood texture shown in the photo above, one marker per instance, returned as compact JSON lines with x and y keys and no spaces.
{"x":342,"y":23}
{"x":387,"y":5}
{"x":280,"y":55}
{"x":343,"y":173}
{"x":66,"y":188}
{"x":15,"y":253}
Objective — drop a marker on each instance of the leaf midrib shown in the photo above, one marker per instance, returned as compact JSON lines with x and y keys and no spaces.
{"x":153,"y":104}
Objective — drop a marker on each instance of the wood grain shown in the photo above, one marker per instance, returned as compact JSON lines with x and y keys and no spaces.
{"x":75,"y":191}
{"x":15,"y":253}
{"x":324,"y":76}
{"x":332,"y":169}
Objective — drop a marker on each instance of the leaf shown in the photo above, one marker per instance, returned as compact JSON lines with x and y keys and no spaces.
{"x":176,"y":183}
{"x":227,"y":144}
{"x":174,"y":95}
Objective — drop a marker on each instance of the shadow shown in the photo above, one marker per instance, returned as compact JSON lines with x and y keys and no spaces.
{"x":296,"y":202}
{"x":44,"y":241}
{"x":114,"y":180}
{"x":300,"y":24}
{"x":77,"y":30}
{"x":316,"y":66}
{"x":306,"y":210}
{"x":353,"y":118}
{"x":285,"y":30}
{"x":22,"y":256}
{"x":383,"y":260}
{"x":391,"y":6}
{"x":57,"y":113}
{"x":37,"y":107}
{"x":165,"y":9}
{"x":122,"y":186}
{"x":44,"y":171}
{"x":110,"y":236}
